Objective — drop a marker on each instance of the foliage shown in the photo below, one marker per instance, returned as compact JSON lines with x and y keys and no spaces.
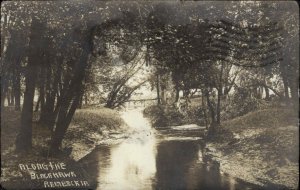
{"x":239,"y":104}
{"x":213,"y":47}
{"x":117,"y":82}
{"x":156,"y":115}
{"x":164,"y":116}
{"x":195,"y":114}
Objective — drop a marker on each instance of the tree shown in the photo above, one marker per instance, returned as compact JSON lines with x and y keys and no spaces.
{"x":24,"y":138}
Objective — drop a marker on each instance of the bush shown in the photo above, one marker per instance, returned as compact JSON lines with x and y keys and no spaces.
{"x":168,"y":115}
{"x":173,"y":116}
{"x":240,"y":104}
{"x":156,"y":115}
{"x":196,"y":115}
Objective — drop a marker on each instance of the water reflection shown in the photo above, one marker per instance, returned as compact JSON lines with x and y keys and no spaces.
{"x":132,"y":166}
{"x":151,"y":161}
{"x":135,"y":120}
{"x":173,"y":161}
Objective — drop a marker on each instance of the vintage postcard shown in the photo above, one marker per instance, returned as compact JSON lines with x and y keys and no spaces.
{"x":142,"y":95}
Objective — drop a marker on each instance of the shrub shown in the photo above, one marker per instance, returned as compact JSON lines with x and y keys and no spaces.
{"x":196,"y":115}
{"x":168,"y":115}
{"x":156,"y":115}
{"x":240,"y":104}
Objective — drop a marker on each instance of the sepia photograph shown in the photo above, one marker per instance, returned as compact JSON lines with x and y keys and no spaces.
{"x":149,"y":95}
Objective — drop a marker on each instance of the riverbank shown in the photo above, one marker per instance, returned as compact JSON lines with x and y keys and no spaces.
{"x":94,"y":127}
{"x":260,"y":147}
{"x":88,"y":128}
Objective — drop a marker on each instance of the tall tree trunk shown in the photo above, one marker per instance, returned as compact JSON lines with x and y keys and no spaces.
{"x":45,"y":81}
{"x":284,"y":76}
{"x":162,"y":97}
{"x":64,"y":118}
{"x":220,"y":94}
{"x":8,"y":95}
{"x":204,"y":108}
{"x":80,"y":101}
{"x":295,"y":94}
{"x":12,"y":97}
{"x":15,"y":54}
{"x":50,"y":109}
{"x":45,"y":85}
{"x":219,"y":106}
{"x":176,"y":94}
{"x":158,"y":89}
{"x":6,"y":62}
{"x":212,"y":128}
{"x":63,"y":121}
{"x":38,"y":103}
{"x":17,"y":91}
{"x":42,"y":87}
{"x":70,"y":98}
{"x":267,"y":93}
{"x":24,"y":137}
{"x":17,"y":82}
{"x":258,"y":94}
{"x":3,"y":91}
{"x":85,"y":99}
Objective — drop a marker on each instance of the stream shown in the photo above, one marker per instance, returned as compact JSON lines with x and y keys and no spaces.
{"x":169,"y":158}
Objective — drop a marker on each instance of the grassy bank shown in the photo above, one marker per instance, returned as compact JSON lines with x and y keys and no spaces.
{"x":261,"y":147}
{"x":93,"y":126}
{"x":88,"y":128}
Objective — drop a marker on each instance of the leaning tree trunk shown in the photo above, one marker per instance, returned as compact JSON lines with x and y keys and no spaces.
{"x":53,"y":109}
{"x":69,"y":103}
{"x":49,"y":112}
{"x":24,"y":137}
{"x":71,"y":97}
{"x":63,"y":121}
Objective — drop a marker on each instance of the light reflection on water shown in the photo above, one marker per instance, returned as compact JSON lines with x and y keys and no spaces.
{"x":132,"y":164}
{"x":150,"y":161}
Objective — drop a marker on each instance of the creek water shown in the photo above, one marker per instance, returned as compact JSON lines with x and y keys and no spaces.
{"x":170,"y":158}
